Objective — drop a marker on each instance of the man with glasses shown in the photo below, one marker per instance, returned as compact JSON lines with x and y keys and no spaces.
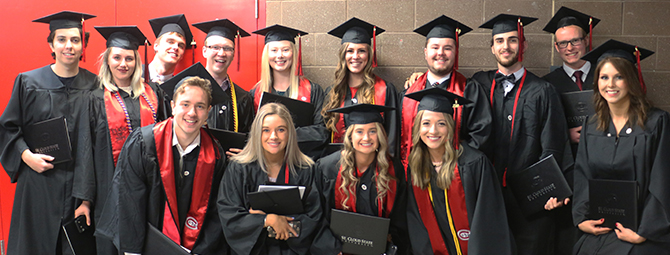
{"x":235,"y":112}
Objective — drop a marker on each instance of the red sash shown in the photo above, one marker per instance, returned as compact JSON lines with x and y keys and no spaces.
{"x":351,"y":203}
{"x":116,"y":117}
{"x":380,"y":99}
{"x":304,"y":93}
{"x":456,"y":86}
{"x":202,"y":185}
{"x":457,"y":215}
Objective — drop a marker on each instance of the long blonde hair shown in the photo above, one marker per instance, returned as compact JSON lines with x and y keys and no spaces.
{"x":348,"y":163}
{"x":107,"y":79}
{"x":253,"y":150}
{"x":419,"y":156}
{"x":265,"y":84}
{"x":341,"y":85}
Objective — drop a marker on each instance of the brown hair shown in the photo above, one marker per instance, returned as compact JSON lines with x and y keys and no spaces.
{"x":639,"y":104}
{"x":195,"y":81}
{"x":52,"y":35}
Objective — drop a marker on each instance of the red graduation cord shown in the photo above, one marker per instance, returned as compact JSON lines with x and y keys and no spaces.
{"x":639,"y":71}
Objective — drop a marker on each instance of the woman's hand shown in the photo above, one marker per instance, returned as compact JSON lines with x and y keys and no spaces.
{"x":84,"y":209}
{"x":412,"y":79}
{"x":553,"y":203}
{"x":628,"y":235}
{"x":280,"y":225}
{"x":233,"y":152}
{"x":590,"y":227}
{"x":37,"y":162}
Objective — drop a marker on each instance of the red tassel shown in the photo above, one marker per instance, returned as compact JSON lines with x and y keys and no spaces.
{"x":639,"y":71}
{"x":239,"y":53}
{"x":146,"y":64}
{"x":374,"y":46}
{"x":458,"y":30}
{"x":522,"y":39}
{"x":83,"y":39}
{"x":590,"y":33}
{"x":299,"y":67}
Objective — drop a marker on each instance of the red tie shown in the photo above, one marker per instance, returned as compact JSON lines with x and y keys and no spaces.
{"x":578,"y":74}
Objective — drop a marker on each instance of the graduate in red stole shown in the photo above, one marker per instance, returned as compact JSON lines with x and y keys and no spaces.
{"x":454,"y":203}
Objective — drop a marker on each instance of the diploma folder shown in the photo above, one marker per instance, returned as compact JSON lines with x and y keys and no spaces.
{"x":156,"y":243}
{"x":533,"y":186}
{"x":281,"y":202}
{"x":49,"y":137}
{"x":80,"y":236}
{"x":229,"y":139}
{"x":577,"y":106}
{"x":615,"y":201}
{"x":359,"y":233}
{"x":301,"y":112}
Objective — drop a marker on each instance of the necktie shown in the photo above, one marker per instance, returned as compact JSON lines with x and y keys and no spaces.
{"x":501,"y":77}
{"x":578,"y":74}
{"x":435,"y":84}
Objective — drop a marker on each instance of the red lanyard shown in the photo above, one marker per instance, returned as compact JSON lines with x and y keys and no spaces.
{"x":516,"y":99}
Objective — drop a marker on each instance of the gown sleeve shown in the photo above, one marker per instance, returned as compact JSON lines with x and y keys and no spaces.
{"x":479,"y":121}
{"x":11,"y":137}
{"x":392,"y":119}
{"x":316,"y":132}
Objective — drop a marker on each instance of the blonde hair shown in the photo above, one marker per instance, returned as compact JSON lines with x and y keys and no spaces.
{"x":266,"y":82}
{"x":419,"y":157}
{"x":107,"y":79}
{"x":348,"y":164}
{"x":194,"y":81}
{"x":341,"y":85}
{"x":253,"y":150}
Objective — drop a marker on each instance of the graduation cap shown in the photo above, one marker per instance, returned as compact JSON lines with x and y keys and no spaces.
{"x":356,"y":30}
{"x":567,"y":17}
{"x":68,"y":19}
{"x":438,"y":100}
{"x":444,"y":27}
{"x":171,"y":85}
{"x":504,"y":23}
{"x":614,"y":48}
{"x":126,"y":37}
{"x":363,"y":113}
{"x":175,"y":23}
{"x":226,"y":29}
{"x":281,"y":33}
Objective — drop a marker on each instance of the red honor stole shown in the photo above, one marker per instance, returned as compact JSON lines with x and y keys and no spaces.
{"x":304,"y":93}
{"x":379,"y":99}
{"x":119,"y":123}
{"x":202,"y":185}
{"x":351,"y":203}
{"x":457,"y":215}
{"x":456,"y":86}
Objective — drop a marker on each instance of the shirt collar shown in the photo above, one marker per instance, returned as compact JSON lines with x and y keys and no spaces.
{"x":518,"y":74}
{"x":194,"y":144}
{"x":585,"y":69}
{"x":440,"y":81}
{"x":226,"y":84}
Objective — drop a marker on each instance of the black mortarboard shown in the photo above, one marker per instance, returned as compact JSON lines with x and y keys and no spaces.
{"x":356,"y":30}
{"x":438,"y":100}
{"x":221,"y":27}
{"x":442,"y":27}
{"x":614,"y":48}
{"x":126,"y":37}
{"x":567,"y":17}
{"x":363,"y":113}
{"x":504,"y":23}
{"x":279,"y":33}
{"x":171,"y":85}
{"x":64,"y":19}
{"x":175,"y":23}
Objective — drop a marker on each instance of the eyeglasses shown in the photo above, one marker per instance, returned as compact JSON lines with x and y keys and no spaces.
{"x":574,"y":42}
{"x":217,"y":48}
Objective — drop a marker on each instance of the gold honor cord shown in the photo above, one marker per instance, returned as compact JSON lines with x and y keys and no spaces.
{"x":234,"y":96}
{"x":451,"y":220}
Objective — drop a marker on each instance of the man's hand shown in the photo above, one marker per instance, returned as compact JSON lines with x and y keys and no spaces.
{"x":37,"y":162}
{"x":84,"y":209}
{"x":575,"y":133}
{"x":412,"y":79}
{"x":553,"y":203}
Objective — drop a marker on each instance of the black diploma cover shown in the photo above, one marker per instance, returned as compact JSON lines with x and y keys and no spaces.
{"x":533,"y":186}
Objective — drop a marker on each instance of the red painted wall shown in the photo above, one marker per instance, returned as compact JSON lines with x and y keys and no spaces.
{"x":25,"y":48}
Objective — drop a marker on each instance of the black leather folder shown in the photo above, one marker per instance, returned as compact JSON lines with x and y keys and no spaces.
{"x":301,"y":112}
{"x":577,"y":106}
{"x":80,"y":236}
{"x":615,"y":201}
{"x":156,"y":243}
{"x":49,"y":137}
{"x":533,"y":186}
{"x":360,"y":233}
{"x":229,"y":139}
{"x":281,"y":202}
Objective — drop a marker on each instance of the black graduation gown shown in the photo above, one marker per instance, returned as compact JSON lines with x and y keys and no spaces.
{"x":311,"y":139}
{"x":104,"y":161}
{"x":566,"y":233}
{"x":540,"y":130}
{"x":489,"y":231}
{"x":476,"y":118}
{"x":327,"y":169}
{"x":138,"y":196}
{"x":642,"y":156}
{"x":221,"y":115}
{"x":391,"y":118}
{"x":244,"y":231}
{"x":43,"y":202}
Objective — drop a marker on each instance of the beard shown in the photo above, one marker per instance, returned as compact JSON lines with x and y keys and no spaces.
{"x":440,"y":72}
{"x":508,"y":63}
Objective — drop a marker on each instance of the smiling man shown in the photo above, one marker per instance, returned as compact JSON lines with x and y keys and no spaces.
{"x":441,"y":54}
{"x":168,"y":175}
{"x":236,"y":111}
{"x":528,"y":125}
{"x":173,"y":37}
